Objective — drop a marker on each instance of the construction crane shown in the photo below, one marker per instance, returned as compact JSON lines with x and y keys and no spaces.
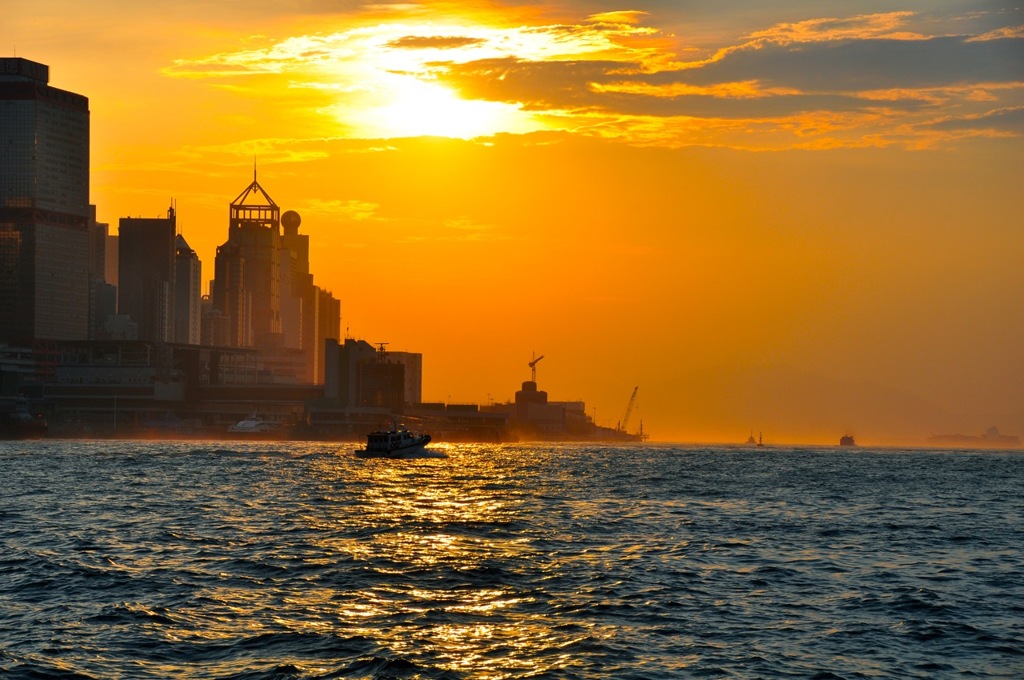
{"x":629,"y":411}
{"x":533,"y":368}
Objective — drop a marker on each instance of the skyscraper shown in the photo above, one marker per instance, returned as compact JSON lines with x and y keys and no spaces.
{"x":102,"y":296}
{"x":328,"y":326}
{"x":297,"y":318}
{"x":188,"y":284}
{"x":231,"y":303}
{"x":44,"y":207}
{"x":263,"y":295}
{"x":146,"y":252}
{"x":251,"y":255}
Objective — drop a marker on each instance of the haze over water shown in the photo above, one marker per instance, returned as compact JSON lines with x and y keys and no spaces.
{"x":226,"y":560}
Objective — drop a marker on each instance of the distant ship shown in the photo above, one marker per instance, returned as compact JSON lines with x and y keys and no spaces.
{"x":750,"y":440}
{"x":396,"y":442}
{"x":847,"y":440}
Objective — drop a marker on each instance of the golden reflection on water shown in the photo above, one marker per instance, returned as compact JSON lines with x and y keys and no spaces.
{"x":425,"y":531}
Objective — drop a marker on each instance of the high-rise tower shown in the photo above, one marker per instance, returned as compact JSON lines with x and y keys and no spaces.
{"x":188,"y":284}
{"x":263,"y":295}
{"x":251,"y":253}
{"x":146,"y":252}
{"x":44,"y":207}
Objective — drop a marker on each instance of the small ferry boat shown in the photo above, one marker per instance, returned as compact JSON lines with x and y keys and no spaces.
{"x":847,"y":440}
{"x":254,"y":423}
{"x":396,"y":442}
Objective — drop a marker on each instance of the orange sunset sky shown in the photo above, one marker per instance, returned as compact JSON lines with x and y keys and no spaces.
{"x":800,"y":218}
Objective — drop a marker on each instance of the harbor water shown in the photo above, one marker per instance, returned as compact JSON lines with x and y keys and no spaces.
{"x":122,"y":559}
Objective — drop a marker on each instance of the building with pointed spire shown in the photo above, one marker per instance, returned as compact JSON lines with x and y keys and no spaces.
{"x":251,"y":262}
{"x":263,"y":295}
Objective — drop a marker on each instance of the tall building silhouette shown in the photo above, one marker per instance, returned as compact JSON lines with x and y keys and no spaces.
{"x":298,"y":297}
{"x":102,"y":296}
{"x":254,"y":239}
{"x":46,"y":259}
{"x":230,"y":302}
{"x":188,"y":288}
{"x":263,"y":294}
{"x":146,"y":252}
{"x":309,"y":314}
{"x":328,"y":327}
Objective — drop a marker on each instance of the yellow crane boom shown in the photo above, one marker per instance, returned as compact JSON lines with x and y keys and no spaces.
{"x":629,"y":410}
{"x":533,"y":368}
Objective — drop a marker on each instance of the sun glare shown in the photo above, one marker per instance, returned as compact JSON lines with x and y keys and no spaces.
{"x":386,"y":80}
{"x":416,"y":108}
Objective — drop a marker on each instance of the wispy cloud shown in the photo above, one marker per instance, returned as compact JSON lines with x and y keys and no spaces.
{"x":436,"y":42}
{"x":890,"y":25}
{"x":348,"y":210}
{"x":1007,"y":120}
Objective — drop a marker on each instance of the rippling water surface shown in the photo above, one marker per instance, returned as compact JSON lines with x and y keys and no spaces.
{"x":227,"y":560}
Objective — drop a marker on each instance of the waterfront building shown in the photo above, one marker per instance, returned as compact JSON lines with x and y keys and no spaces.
{"x":45,"y":246}
{"x":359,"y":375}
{"x":328,"y":327}
{"x":146,"y":263}
{"x":532,"y":416}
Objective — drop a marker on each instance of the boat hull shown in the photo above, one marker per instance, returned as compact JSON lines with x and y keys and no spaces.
{"x":397,"y":444}
{"x":413,"y":451}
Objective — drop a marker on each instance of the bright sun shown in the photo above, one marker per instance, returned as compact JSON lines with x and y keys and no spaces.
{"x":388,"y":83}
{"x":416,"y":108}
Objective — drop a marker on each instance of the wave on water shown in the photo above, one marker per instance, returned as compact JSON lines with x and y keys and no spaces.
{"x":276,"y":560}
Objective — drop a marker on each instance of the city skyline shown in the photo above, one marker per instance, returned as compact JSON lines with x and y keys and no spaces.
{"x":803,"y":212}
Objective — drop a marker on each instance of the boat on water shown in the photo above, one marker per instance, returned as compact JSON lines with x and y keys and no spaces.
{"x":847,"y":440}
{"x":397,"y":442}
{"x":254,"y":424}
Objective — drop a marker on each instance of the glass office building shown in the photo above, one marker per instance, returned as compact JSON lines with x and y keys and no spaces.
{"x":44,"y":207}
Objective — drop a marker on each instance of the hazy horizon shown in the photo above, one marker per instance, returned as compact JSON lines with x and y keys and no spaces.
{"x":800,"y":219}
